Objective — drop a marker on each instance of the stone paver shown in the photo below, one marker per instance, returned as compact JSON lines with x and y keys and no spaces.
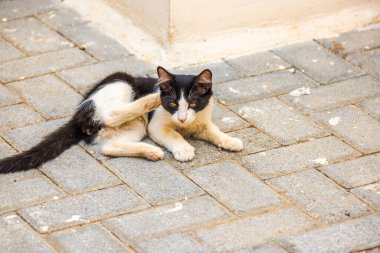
{"x":317,"y":62}
{"x":8,"y":52}
{"x":319,"y":196}
{"x":91,"y":238}
{"x":354,"y":126}
{"x":351,"y":42}
{"x":368,"y":61}
{"x":336,"y":94}
{"x":297,"y":157}
{"x":57,"y":100}
{"x":82,"y":208}
{"x":166,"y":218}
{"x":32,"y":36}
{"x":76,"y":171}
{"x":221,"y":71}
{"x":172,"y":243}
{"x":97,"y":44}
{"x":42,"y":64}
{"x":29,"y":192}
{"x":264,"y":248}
{"x":354,"y":173}
{"x":23,"y":8}
{"x":349,"y":236}
{"x":258,"y":63}
{"x":279,"y":121}
{"x":254,"y":230}
{"x":16,"y":236}
{"x":27,"y":137}
{"x":84,"y":77}
{"x":369,"y":194}
{"x":154,"y":181}
{"x":7,"y":97}
{"x":261,"y":86}
{"x":18,"y":115}
{"x":372,"y":106}
{"x":220,"y":179}
{"x":227,"y":120}
{"x":307,"y":179}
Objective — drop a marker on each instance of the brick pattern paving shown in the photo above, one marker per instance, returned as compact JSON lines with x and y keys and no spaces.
{"x":308,"y":179}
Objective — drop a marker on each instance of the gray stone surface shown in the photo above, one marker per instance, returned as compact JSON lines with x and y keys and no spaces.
{"x":76,"y":171}
{"x":157,"y":182}
{"x":349,"y":236}
{"x":354,"y":41}
{"x":81,"y":209}
{"x":318,"y":62}
{"x":17,"y":236}
{"x":279,"y":120}
{"x":42,"y":64}
{"x":98,"y":44}
{"x":17,"y":176}
{"x":84,"y":77}
{"x":56,"y":100}
{"x":8,"y":52}
{"x":18,"y":115}
{"x":254,"y":230}
{"x":27,"y":137}
{"x":159,"y":220}
{"x":264,"y":248}
{"x":220,"y":180}
{"x":258,"y":63}
{"x":336,"y":94}
{"x":227,"y":120}
{"x":25,"y":193}
{"x":90,"y":238}
{"x":261,"y":86}
{"x":23,"y":8}
{"x":354,"y":173}
{"x":32,"y":36}
{"x":7,"y":97}
{"x":170,"y":244}
{"x":368,"y":61}
{"x":297,"y":157}
{"x":5,"y":150}
{"x":354,"y":126}
{"x":60,"y":17}
{"x":221,"y":71}
{"x":372,"y":106}
{"x":369,"y":194}
{"x":318,"y":195}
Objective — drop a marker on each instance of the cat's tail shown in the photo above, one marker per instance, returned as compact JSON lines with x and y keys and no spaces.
{"x":49,"y":148}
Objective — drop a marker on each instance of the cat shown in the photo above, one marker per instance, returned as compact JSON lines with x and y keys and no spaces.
{"x":115,"y":113}
{"x":187,"y":103}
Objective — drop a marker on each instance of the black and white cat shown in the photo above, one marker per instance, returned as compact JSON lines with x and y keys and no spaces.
{"x":115,"y":114}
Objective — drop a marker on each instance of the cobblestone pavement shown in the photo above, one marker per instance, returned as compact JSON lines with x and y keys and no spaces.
{"x":307,"y":181}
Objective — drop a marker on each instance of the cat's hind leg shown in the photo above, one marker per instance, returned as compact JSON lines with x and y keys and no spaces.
{"x":127,"y":143}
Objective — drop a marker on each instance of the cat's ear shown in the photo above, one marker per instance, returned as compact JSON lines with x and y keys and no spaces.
{"x":203,"y":82}
{"x":164,"y":78}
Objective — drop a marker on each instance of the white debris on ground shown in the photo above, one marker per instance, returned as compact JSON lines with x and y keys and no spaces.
{"x":177,"y":207}
{"x":300,"y":91}
{"x":75,"y":218}
{"x":334,"y":121}
{"x":233,"y":90}
{"x":322,"y":161}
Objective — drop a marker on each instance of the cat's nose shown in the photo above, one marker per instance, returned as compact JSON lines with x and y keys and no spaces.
{"x":182,"y":119}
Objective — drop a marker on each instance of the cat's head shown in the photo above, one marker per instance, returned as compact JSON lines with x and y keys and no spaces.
{"x":184,"y":96}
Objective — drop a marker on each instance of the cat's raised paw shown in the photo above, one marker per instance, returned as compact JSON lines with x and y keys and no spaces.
{"x":184,"y":153}
{"x":231,"y":144}
{"x":154,"y":154}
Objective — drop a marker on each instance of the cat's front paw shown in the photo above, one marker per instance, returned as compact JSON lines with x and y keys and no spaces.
{"x":184,"y":153}
{"x":153,"y":102}
{"x":231,"y":144}
{"x":154,"y":154}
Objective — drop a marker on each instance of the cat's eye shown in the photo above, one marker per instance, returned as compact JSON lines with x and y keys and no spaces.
{"x":192,"y":105}
{"x":173,"y":104}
